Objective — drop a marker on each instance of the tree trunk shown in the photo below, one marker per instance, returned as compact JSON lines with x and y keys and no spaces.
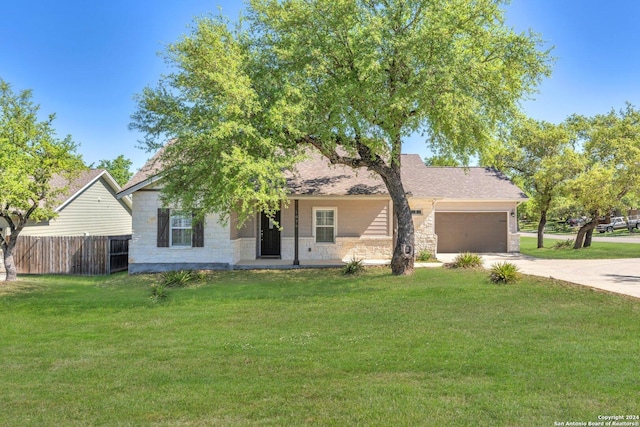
{"x":402,"y":261}
{"x":587,"y":238}
{"x":585,"y":230}
{"x":580,"y":237}
{"x":541,"y":224}
{"x":9,"y":265}
{"x":403,"y":253}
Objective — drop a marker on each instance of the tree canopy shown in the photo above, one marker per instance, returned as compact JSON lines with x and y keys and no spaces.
{"x":540,"y":157}
{"x":350,"y":78}
{"x":119,"y":168}
{"x":611,"y":175}
{"x":30,"y":156}
{"x":589,"y":166}
{"x":441,"y":160}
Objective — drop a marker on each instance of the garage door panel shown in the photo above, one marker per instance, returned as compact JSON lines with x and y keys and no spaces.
{"x":471,"y":231}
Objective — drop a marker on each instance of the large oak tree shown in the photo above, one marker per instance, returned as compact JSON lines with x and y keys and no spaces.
{"x":352,"y":78}
{"x":611,"y":176}
{"x":541,"y":158}
{"x":30,"y":156}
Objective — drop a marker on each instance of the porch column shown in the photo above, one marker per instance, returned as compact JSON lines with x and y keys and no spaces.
{"x":296,"y":261}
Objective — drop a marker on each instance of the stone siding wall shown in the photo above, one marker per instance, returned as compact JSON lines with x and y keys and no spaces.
{"x":424,"y":226}
{"x":244,"y":249}
{"x":345,"y":249}
{"x":143,"y":249}
{"x":514,"y":242}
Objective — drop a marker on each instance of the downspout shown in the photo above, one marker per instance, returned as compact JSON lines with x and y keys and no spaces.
{"x":433,"y":212}
{"x":296,"y":261}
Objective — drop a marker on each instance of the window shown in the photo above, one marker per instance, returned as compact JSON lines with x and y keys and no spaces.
{"x":178,"y":228}
{"x":324,"y":224}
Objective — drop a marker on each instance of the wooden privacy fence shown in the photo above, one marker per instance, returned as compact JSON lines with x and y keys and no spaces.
{"x":82,"y":255}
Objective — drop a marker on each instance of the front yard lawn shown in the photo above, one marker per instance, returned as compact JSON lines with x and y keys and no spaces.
{"x":597,"y":250}
{"x":313,"y":347}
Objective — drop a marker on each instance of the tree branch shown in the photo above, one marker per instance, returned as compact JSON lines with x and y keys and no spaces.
{"x":367,"y":159}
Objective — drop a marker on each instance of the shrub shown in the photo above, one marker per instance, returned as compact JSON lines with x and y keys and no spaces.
{"x":198,"y":276}
{"x":467,"y":260}
{"x":158,"y":292}
{"x":503,"y":272}
{"x":355,"y":266}
{"x":563,"y":244}
{"x":176,"y":279}
{"x":424,"y":256}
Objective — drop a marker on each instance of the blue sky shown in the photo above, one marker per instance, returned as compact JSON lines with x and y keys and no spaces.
{"x":84,"y":60}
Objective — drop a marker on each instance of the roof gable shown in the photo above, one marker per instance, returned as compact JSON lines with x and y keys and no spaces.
{"x":147,"y":174}
{"x":78,"y":185}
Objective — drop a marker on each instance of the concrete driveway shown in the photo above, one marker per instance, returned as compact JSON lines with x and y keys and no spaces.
{"x":621,"y":276}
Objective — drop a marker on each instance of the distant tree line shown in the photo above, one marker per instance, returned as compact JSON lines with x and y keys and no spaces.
{"x":583,"y":167}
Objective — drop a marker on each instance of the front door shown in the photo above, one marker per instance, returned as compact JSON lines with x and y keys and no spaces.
{"x":269,"y":236}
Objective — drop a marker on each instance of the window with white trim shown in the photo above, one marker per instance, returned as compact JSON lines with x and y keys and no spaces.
{"x":324,"y":224}
{"x":181,"y":228}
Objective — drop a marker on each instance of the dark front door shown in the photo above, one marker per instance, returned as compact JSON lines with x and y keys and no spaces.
{"x":269,"y":236}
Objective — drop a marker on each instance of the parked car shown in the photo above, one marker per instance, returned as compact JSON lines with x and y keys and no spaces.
{"x":616,"y":223}
{"x":575,"y":221}
{"x":633,"y":222}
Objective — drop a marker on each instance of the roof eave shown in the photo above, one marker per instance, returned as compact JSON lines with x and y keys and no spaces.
{"x":129,"y":191}
{"x":488,"y":199}
{"x":293,"y":196}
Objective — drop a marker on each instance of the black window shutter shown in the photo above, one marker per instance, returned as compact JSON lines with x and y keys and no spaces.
{"x":163,"y":227}
{"x":197,"y":239}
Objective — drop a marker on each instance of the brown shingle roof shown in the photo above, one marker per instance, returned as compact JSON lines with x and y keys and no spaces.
{"x":150,"y":169}
{"x":316,"y":176}
{"x":74,"y":186}
{"x":473,"y":183}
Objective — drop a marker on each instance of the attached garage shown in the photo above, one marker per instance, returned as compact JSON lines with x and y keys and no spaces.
{"x":471,"y":231}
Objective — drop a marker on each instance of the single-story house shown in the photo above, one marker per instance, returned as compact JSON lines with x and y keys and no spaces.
{"x":89,"y":207}
{"x":333,"y":214}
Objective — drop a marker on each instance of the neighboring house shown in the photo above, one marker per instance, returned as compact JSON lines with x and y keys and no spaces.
{"x":89,"y":207}
{"x":333,"y":214}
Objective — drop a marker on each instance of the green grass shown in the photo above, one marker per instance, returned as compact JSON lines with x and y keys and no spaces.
{"x":597,"y":250}
{"x":309,"y":347}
